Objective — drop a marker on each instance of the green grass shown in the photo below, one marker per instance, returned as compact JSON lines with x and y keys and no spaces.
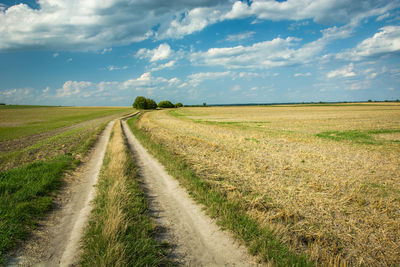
{"x":27,"y":188}
{"x":25,"y":195}
{"x":26,"y":120}
{"x":138,"y":236}
{"x":356,"y":136}
{"x":230,"y":214}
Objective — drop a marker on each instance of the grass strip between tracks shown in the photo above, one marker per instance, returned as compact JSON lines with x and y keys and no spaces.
{"x":120,"y":231}
{"x":229,"y":214}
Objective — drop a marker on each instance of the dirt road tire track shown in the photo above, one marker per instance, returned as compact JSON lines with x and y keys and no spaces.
{"x":196,"y":239}
{"x":57,"y":241}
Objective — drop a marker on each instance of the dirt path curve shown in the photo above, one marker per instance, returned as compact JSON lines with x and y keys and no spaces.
{"x":197,"y":239}
{"x":57,"y":240}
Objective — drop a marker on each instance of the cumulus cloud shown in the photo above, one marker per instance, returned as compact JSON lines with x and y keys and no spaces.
{"x":167,"y":65}
{"x":386,"y":41}
{"x":321,"y":11}
{"x":94,"y":25}
{"x":346,"y":71}
{"x":99,"y":25}
{"x":71,"y":88}
{"x":163,"y":51}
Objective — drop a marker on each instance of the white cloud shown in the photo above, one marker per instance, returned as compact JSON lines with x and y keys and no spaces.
{"x":56,"y":55}
{"x":106,"y":50}
{"x":308,"y":74}
{"x":236,"y":88}
{"x":346,"y":71}
{"x":321,"y":11}
{"x":96,"y":25}
{"x":240,"y":36}
{"x":112,"y":68}
{"x":382,"y":17}
{"x":163,"y":51}
{"x":46,"y":90}
{"x":386,"y":41}
{"x":167,"y":65}
{"x":70,"y":88}
{"x":99,"y":25}
{"x":197,"y":78}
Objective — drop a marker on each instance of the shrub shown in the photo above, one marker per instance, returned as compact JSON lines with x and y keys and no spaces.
{"x":178,"y":105}
{"x":165,"y":104}
{"x":144,"y":103}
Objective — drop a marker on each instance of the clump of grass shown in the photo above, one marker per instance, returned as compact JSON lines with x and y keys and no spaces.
{"x":120,"y":231}
{"x":228,"y":212}
{"x":357,"y":136}
{"x":25,"y":195}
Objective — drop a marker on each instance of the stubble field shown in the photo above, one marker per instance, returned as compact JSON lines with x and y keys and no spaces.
{"x":324,"y":178}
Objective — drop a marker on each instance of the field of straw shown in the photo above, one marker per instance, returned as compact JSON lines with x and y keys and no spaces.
{"x":325,"y":179}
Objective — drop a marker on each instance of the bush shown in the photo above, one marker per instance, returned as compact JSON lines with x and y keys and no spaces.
{"x":144,"y":103}
{"x":165,"y":104}
{"x":178,"y":105}
{"x":151,"y":104}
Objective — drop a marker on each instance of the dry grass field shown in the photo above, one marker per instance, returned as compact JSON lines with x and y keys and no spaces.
{"x":324,"y":178}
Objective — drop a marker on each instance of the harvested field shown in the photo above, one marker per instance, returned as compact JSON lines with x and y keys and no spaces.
{"x":325,"y":179}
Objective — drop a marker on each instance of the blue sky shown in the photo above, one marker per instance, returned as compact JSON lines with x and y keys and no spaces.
{"x":105,"y":53}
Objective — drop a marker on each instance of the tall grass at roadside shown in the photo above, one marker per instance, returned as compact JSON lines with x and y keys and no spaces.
{"x":120,"y":232}
{"x":229,"y":213}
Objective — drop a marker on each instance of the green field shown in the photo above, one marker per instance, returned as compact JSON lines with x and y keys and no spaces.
{"x":37,"y":145}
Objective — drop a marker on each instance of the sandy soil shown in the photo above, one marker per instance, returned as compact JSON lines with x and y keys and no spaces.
{"x":56,"y":242}
{"x":196,"y":239}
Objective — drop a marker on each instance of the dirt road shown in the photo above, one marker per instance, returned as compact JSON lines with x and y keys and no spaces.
{"x":196,"y":238}
{"x":56,"y":241}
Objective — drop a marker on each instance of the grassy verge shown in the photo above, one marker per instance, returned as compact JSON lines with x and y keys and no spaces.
{"x":230,"y":214}
{"x":26,"y":192}
{"x":25,"y":195}
{"x":120,"y":232}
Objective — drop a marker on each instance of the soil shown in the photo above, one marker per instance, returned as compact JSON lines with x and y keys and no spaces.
{"x":56,"y":242}
{"x":195,"y":238}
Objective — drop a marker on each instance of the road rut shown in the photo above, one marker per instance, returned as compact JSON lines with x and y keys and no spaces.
{"x":196,"y":239}
{"x":57,"y":240}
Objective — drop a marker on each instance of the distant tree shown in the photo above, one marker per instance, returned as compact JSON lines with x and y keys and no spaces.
{"x":140,"y":102}
{"x":178,"y":105}
{"x":204,"y":104}
{"x":144,"y":103}
{"x":369,"y":100}
{"x":151,"y":104}
{"x":165,"y":104}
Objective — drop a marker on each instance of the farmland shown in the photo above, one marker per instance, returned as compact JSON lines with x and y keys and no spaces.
{"x":324,"y":179}
{"x":37,"y":145}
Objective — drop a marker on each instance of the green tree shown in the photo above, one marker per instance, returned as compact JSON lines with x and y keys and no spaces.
{"x":151,"y":104}
{"x":178,"y":105}
{"x":140,"y":102}
{"x":165,"y":104}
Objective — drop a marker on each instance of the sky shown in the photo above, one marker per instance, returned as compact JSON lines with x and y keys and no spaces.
{"x":107,"y":52}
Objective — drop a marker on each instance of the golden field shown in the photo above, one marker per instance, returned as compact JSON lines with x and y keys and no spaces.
{"x":324,"y":178}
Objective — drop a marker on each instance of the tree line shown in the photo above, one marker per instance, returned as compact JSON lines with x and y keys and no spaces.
{"x":142,"y":102}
